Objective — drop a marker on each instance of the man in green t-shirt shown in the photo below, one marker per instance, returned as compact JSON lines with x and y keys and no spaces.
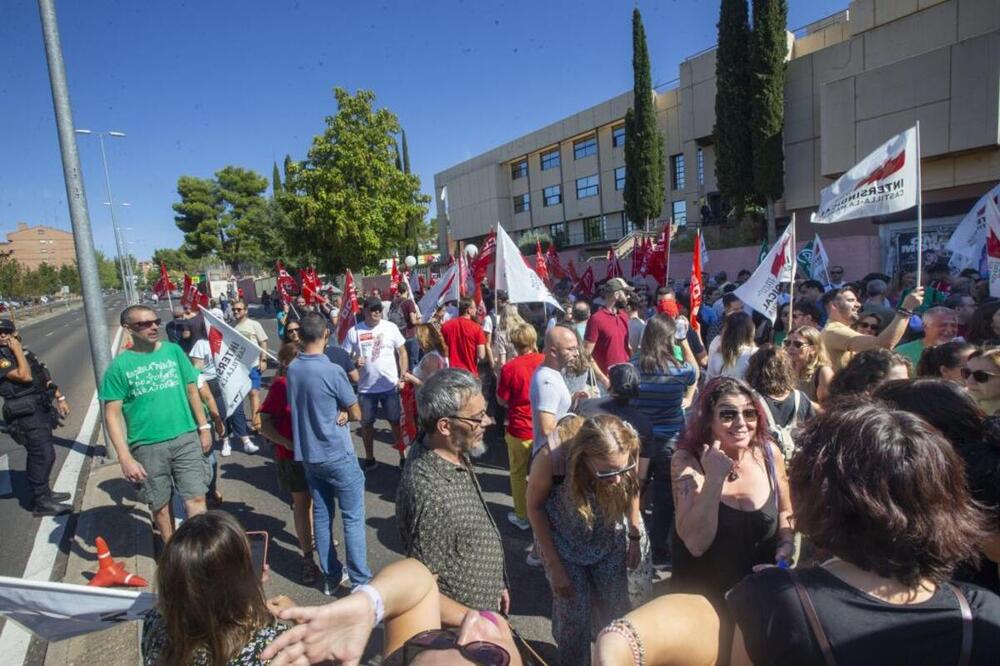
{"x":150,"y":392}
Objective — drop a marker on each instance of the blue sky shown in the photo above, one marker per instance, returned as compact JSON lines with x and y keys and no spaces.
{"x":201,"y":85}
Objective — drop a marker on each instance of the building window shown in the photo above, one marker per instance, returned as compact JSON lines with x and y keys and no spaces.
{"x":701,"y":166}
{"x":584,"y":148}
{"x":618,"y":136}
{"x":552,"y":196}
{"x":522,"y":203}
{"x":519,"y":169}
{"x":628,"y":226}
{"x":587,"y":187}
{"x":677,"y":171}
{"x":594,"y":229}
{"x":558,"y":233}
{"x":551,"y":159}
{"x":679,"y":209}
{"x":620,"y":178}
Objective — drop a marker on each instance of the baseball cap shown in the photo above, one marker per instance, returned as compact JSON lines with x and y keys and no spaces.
{"x":373,"y":303}
{"x":7,"y":326}
{"x":617,"y":284}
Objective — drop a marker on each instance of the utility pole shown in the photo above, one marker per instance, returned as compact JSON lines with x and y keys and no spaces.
{"x":93,"y":302}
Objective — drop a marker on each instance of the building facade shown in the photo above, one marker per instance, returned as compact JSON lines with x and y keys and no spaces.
{"x":32,"y":246}
{"x":853,"y":80}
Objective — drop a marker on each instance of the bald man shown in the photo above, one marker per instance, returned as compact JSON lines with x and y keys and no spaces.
{"x":550,"y":399}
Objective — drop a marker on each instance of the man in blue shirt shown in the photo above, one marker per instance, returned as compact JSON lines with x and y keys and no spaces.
{"x":322,"y":402}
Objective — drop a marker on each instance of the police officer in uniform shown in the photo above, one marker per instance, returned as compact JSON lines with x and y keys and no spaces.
{"x":28,"y":392}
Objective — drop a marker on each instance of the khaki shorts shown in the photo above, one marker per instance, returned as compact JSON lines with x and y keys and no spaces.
{"x":174,"y":463}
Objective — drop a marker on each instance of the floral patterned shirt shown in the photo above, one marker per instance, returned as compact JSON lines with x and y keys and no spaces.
{"x":154,"y":641}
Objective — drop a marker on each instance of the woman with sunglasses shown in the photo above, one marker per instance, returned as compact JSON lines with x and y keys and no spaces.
{"x":583,"y":503}
{"x":291,"y":333}
{"x":404,"y":595}
{"x":982,"y":378}
{"x":946,"y":361}
{"x":804,"y":346}
{"x":731,"y":495}
{"x":868,"y":323}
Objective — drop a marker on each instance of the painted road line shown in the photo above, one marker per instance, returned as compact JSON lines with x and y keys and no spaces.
{"x":14,"y":640}
{"x":5,"y":487}
{"x":49,"y":333}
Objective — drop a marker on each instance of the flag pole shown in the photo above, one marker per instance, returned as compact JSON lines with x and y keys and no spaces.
{"x":791,"y":285}
{"x":666,"y":251}
{"x":920,"y":214}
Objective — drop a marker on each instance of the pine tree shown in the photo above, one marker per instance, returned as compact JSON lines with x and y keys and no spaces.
{"x":767,"y":64}
{"x":644,"y":168}
{"x":275,"y":180}
{"x":733,"y":147}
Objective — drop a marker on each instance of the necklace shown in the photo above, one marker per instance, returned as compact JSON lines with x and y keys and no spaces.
{"x":733,"y":474}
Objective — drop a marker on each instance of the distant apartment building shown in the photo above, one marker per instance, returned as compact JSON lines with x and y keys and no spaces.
{"x":32,"y":246}
{"x":854,"y":79}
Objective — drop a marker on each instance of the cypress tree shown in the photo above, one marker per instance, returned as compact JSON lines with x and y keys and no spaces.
{"x":406,"y":152}
{"x":769,"y":48}
{"x":733,"y":148}
{"x":275,"y":180}
{"x":287,"y":166}
{"x":644,"y":168}
{"x":399,"y":157}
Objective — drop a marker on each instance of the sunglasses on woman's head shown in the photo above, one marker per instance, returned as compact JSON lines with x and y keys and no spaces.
{"x":481,"y":653}
{"x":729,"y":415}
{"x":798,"y":344}
{"x":980,"y":376}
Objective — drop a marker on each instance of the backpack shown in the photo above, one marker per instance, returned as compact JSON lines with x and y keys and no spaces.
{"x":396,"y":316}
{"x":783,"y":434}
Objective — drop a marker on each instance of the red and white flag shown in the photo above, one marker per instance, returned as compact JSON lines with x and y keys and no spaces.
{"x":585,"y":285}
{"x":614,"y":268}
{"x":761,"y":291}
{"x":993,"y":245}
{"x":966,"y":242}
{"x":234,"y":356}
{"x":487,"y":255}
{"x":541,"y":265}
{"x":554,"y":265}
{"x":444,"y":290}
{"x":348,"y":308}
{"x":522,"y":284}
{"x":571,"y":272}
{"x":394,"y":279}
{"x":884,"y":182}
{"x":694,"y":304}
{"x":164,"y":287}
{"x":285,"y":283}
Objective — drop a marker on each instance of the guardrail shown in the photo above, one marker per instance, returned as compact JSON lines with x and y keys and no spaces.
{"x":27,"y":312}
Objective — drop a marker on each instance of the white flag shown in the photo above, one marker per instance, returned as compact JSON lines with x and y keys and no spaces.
{"x":761,"y":291}
{"x":704,"y":250}
{"x":57,"y":611}
{"x":882,"y":183}
{"x":966,"y":242}
{"x":819,"y":263}
{"x":444,"y":290}
{"x":993,"y":245}
{"x":513,"y":276}
{"x":234,"y":356}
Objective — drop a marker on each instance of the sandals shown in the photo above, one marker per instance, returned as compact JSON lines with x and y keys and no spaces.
{"x":310,"y":572}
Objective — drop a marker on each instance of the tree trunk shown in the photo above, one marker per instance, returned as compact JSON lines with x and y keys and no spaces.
{"x":771,"y":230}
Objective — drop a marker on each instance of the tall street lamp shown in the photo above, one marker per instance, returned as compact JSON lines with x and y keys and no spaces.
{"x":129,"y":295}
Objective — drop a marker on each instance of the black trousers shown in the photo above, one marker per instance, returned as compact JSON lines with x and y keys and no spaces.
{"x":34,"y":433}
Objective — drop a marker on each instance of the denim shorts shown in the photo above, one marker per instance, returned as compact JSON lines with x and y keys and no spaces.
{"x":255,"y":379}
{"x":370,"y":402}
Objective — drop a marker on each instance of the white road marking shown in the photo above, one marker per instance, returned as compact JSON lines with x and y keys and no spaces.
{"x":49,"y":333}
{"x":5,"y":487}
{"x":14,"y":640}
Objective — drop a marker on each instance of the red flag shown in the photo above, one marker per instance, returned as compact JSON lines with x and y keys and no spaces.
{"x":286,"y":283}
{"x":540,"y":267}
{"x":571,"y":272}
{"x":696,"y":286}
{"x":421,"y":282}
{"x":555,"y":266}
{"x":189,"y":296}
{"x":614,"y":268}
{"x":585,"y":285}
{"x":394,"y":278}
{"x":163,"y":286}
{"x":486,"y":256}
{"x":348,"y":309}
{"x":638,"y":256}
{"x":311,"y":295}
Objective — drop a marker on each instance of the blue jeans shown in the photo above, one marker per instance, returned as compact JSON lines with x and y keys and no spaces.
{"x":412,"y":352}
{"x":340,"y":480}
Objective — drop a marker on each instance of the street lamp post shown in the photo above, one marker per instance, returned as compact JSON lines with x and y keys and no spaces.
{"x":129,"y":295}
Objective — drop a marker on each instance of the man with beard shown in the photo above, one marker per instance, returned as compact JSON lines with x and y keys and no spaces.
{"x":842,"y":308}
{"x":606,"y":338}
{"x":442,"y":516}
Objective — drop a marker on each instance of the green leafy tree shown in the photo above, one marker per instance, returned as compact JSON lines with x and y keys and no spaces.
{"x":69,"y":276}
{"x":45,"y":278}
{"x":644,"y":167}
{"x":11,"y":277}
{"x":107,"y":271}
{"x":347,"y":202}
{"x":733,"y":147}
{"x":767,"y":105}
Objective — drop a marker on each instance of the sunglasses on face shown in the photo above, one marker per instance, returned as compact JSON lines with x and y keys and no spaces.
{"x":143,"y":325}
{"x":798,"y":344}
{"x":729,"y":415}
{"x":864,"y":325}
{"x":481,"y":653}
{"x":980,"y":376}
{"x":289,"y":331}
{"x":616,"y":472}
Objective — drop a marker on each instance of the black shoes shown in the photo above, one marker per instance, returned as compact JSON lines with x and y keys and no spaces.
{"x":48,"y":506}
{"x":59,"y":497}
{"x":369,"y":464}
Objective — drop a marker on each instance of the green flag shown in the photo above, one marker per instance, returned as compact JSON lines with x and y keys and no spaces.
{"x":763,"y":252}
{"x":805,"y":259}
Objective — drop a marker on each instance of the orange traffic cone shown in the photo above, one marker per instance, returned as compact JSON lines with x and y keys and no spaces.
{"x":110,"y":572}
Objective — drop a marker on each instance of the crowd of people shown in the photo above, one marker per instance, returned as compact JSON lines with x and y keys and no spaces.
{"x":824,"y":488}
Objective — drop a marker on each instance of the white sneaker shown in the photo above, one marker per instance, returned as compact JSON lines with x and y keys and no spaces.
{"x":226,"y":450}
{"x":533,"y":560}
{"x":250,"y":447}
{"x":517,"y":522}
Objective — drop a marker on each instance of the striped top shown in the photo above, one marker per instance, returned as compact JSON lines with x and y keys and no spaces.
{"x":660,"y":397}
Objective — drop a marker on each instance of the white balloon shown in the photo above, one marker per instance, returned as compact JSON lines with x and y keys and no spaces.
{"x":471,"y":251}
{"x":410,"y":261}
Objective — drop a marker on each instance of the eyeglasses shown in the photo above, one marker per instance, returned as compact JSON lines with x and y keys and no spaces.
{"x":729,"y":415}
{"x":616,"y":472}
{"x":289,"y":331}
{"x":798,"y":344}
{"x":482,"y":653}
{"x":143,"y":325}
{"x":865,"y":326}
{"x":980,"y":376}
{"x":475,"y":421}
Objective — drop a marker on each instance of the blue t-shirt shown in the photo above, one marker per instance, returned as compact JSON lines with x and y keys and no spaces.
{"x":660,"y":397}
{"x":317,"y":391}
{"x":339,"y":356}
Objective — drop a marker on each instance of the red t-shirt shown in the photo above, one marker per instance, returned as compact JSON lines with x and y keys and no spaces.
{"x":463,"y":336}
{"x":609,"y":333}
{"x":276,"y":405}
{"x":514,"y":388}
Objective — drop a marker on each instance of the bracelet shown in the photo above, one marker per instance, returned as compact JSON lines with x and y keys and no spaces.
{"x":61,"y":398}
{"x":904,"y":312}
{"x":626,"y":630}
{"x":204,"y":426}
{"x":376,"y":599}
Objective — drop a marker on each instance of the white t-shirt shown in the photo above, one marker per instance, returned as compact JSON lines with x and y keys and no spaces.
{"x":252,"y":331}
{"x":202,"y":351}
{"x":377,"y":346}
{"x":548,"y":393}
{"x":737,"y":370}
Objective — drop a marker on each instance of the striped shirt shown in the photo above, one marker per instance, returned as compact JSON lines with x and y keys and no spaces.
{"x":660,"y":397}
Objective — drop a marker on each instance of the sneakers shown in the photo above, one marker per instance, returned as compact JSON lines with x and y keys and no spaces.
{"x":226,"y":450}
{"x":533,"y":560}
{"x":330,"y":589}
{"x":249,"y":446}
{"x":369,"y":464}
{"x":517,"y":522}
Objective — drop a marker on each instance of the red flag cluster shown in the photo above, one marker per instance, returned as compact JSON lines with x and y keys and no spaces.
{"x":164,"y":286}
{"x":286,"y":284}
{"x":614,"y":267}
{"x":191,"y":297}
{"x":311,"y":287}
{"x":348,"y":309}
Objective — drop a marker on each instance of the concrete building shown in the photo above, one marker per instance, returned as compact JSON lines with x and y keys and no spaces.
{"x":32,"y":246}
{"x":854,"y":79}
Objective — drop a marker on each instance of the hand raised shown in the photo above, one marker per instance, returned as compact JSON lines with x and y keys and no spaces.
{"x":716,"y":463}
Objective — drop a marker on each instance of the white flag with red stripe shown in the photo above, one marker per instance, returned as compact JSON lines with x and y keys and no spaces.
{"x":234,"y":356}
{"x":993,"y":245}
{"x":444,"y":290}
{"x":761,"y":291}
{"x":520,"y":282}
